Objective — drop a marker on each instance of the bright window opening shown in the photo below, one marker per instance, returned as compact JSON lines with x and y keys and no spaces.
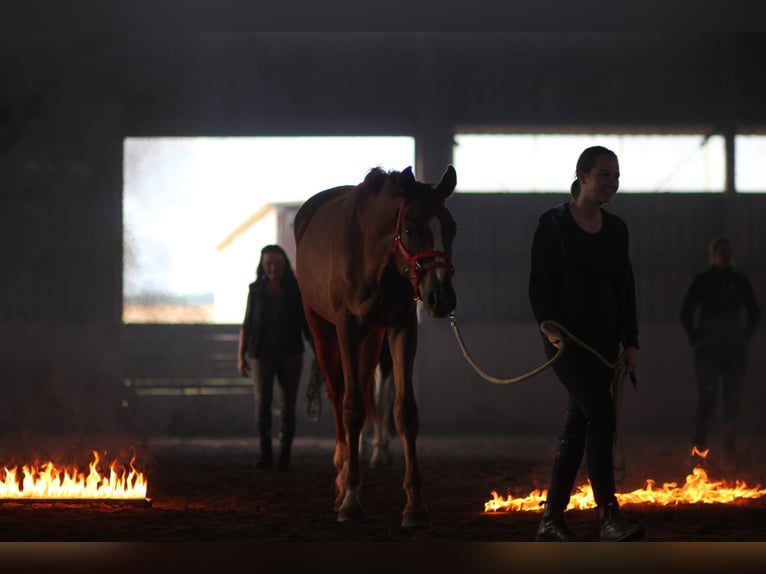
{"x":187,"y":202}
{"x":546,"y":162}
{"x":750,"y":157}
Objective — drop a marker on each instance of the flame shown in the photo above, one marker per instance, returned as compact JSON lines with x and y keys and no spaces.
{"x":697,"y":489}
{"x":51,"y":482}
{"x":700,"y":453}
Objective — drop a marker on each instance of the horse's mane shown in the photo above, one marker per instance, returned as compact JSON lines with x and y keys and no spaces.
{"x":374,"y":180}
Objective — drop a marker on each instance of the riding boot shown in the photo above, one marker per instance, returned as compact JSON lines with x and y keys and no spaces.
{"x":614,"y":528}
{"x":266,"y":459}
{"x":283,"y":465}
{"x":285,"y":447}
{"x":552,"y":527}
{"x":565,"y":465}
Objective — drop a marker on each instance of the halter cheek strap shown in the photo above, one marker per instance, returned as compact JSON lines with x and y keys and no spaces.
{"x":420,"y":262}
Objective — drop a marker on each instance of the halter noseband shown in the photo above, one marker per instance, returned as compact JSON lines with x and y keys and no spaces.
{"x":420,"y":262}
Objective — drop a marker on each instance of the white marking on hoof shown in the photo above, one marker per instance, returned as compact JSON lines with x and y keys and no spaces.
{"x":351,"y":508}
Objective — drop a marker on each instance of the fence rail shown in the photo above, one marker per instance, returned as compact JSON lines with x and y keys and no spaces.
{"x":181,"y":353}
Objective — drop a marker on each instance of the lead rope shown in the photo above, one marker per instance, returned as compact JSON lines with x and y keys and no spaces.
{"x":616,"y":385}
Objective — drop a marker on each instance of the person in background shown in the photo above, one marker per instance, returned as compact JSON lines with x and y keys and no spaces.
{"x":271,"y":347}
{"x":581,"y":278}
{"x":719,"y":314}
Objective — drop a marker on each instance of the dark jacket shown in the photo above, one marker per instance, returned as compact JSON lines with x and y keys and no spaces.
{"x":712,"y":310}
{"x":294,"y":327}
{"x":584,"y":281}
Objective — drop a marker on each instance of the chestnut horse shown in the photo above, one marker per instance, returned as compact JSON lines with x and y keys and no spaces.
{"x":365,"y":255}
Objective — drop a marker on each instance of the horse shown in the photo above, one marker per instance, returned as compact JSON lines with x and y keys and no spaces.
{"x":365,"y":255}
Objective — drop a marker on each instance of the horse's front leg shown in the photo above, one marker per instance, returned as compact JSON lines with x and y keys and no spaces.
{"x":340,"y":462}
{"x":403,"y":344}
{"x":327,"y":352}
{"x":359,"y":357}
{"x":349,"y":479}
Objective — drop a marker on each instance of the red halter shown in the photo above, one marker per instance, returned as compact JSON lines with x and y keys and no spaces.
{"x":420,"y":262}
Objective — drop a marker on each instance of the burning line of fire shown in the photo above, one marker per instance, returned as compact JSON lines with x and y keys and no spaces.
{"x":50,"y":483}
{"x":697,"y":489}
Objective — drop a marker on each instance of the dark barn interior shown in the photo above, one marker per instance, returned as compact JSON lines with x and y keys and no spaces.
{"x":66,"y":108}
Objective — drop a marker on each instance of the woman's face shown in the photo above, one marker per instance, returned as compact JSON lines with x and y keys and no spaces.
{"x":273,"y":265}
{"x":602,"y":182}
{"x":722,"y":255}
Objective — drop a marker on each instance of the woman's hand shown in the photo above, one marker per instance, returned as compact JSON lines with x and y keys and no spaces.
{"x":630,"y":356}
{"x":554,"y":336}
{"x":242,"y":366}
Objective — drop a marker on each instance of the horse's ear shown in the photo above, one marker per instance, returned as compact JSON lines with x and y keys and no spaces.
{"x":447,"y":184}
{"x":407,"y":180}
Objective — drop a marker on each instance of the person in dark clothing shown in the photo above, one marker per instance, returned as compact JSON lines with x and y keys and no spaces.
{"x":581,"y":277}
{"x":719,"y":314}
{"x":271,"y":346}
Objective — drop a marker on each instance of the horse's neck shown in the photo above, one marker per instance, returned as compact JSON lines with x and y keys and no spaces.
{"x":376,"y":225}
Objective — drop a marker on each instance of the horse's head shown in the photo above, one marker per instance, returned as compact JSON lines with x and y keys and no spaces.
{"x":423,"y":242}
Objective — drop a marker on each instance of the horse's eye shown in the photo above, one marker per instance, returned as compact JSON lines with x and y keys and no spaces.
{"x":409,"y":229}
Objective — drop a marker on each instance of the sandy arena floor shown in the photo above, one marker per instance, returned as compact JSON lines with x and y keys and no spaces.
{"x":207,"y":490}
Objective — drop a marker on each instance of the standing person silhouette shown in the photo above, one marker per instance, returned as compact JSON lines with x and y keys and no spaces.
{"x":271,"y":346}
{"x":719,"y":314}
{"x":581,"y":278}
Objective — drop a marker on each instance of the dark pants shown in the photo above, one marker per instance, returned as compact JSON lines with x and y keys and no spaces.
{"x":287,"y":371}
{"x":710,"y":371}
{"x":588,"y":429}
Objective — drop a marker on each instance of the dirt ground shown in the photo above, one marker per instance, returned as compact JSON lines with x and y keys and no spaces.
{"x":207,"y":490}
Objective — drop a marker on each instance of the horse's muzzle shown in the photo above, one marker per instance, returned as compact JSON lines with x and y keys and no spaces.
{"x":439,"y":299}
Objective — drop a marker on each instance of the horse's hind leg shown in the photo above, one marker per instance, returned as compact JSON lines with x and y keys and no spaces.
{"x":384,"y":390}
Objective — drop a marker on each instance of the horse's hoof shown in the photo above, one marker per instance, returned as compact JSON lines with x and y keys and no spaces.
{"x":350,"y":514}
{"x":415,"y":519}
{"x":351,"y":508}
